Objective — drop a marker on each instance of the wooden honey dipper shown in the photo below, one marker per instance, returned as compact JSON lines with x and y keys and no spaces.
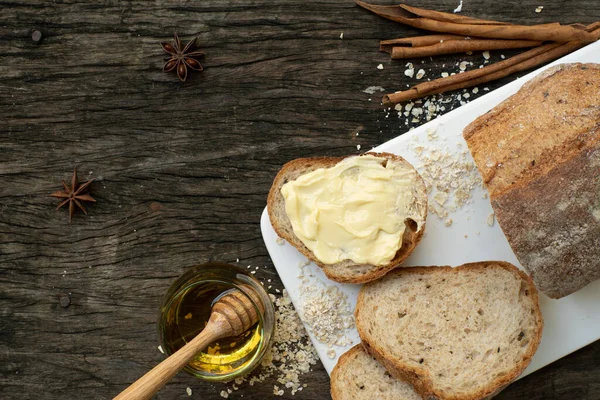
{"x":232,"y":315}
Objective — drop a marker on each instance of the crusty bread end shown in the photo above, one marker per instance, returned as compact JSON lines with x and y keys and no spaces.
{"x":358,"y":376}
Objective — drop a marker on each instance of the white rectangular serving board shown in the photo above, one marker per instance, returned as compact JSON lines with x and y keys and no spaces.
{"x":570,"y":323}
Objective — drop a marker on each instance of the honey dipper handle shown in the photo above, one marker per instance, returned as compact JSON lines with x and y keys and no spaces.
{"x":146,"y":386}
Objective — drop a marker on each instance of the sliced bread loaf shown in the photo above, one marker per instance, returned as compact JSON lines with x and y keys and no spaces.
{"x":454,"y":333}
{"x":358,"y":376}
{"x":539,"y":155}
{"x":347,"y":270}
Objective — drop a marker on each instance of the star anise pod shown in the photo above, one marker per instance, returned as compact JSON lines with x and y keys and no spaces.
{"x":74,"y":195}
{"x":182,"y":58}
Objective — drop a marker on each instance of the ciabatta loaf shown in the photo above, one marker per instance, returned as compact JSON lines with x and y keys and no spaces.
{"x":347,"y":270}
{"x":459,"y":333}
{"x":358,"y":376}
{"x":539,"y":155}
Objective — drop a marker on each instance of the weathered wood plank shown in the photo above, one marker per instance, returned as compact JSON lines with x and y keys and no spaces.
{"x":183,"y":169}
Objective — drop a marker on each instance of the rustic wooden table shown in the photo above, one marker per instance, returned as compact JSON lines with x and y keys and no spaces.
{"x":182,"y":169}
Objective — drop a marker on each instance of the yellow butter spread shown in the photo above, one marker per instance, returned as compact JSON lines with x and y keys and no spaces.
{"x":355,"y":210}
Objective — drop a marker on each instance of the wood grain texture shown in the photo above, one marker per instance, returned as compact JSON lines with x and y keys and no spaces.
{"x":182,"y":170}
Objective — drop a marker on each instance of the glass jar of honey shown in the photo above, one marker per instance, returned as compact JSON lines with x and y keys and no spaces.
{"x":186,"y":308}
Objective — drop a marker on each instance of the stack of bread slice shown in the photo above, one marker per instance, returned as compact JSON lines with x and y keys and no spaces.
{"x":444,"y":333}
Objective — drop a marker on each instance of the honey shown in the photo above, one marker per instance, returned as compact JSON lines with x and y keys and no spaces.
{"x":186,"y":311}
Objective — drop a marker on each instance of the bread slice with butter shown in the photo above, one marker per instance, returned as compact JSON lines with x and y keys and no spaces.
{"x":459,"y":333}
{"x":379,"y":207}
{"x":358,"y":376}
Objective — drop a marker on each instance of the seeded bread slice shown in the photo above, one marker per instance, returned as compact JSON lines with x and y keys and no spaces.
{"x":459,"y":333}
{"x":346,"y":271}
{"x":358,"y":376}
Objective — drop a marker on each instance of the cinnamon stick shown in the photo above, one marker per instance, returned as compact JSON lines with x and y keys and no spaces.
{"x":520,"y":62}
{"x":556,"y":33}
{"x":460,"y":46}
{"x":449,"y":17}
{"x":416,"y":41}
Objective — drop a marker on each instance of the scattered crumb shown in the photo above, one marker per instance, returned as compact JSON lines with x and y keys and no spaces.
{"x":358,"y":147}
{"x":161,"y":349}
{"x":459,"y":8}
{"x":466,"y":236}
{"x":490,"y":219}
{"x":342,"y":35}
{"x":326,"y":311}
{"x":463,"y":65}
{"x":410,"y":71}
{"x":486,"y":55}
{"x":331,"y":353}
{"x":502,"y":56}
{"x":373,"y":90}
{"x":450,"y":179}
{"x":279,"y":241}
{"x":291,"y":355}
{"x":420,"y":73}
{"x":188,"y":391}
{"x":380,"y":66}
{"x":539,"y":9}
{"x":475,"y":90}
{"x":237,"y":260}
{"x":444,"y":75}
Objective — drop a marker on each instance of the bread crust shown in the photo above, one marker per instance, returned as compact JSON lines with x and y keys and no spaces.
{"x":419,"y":377}
{"x":344,"y":358}
{"x":346,"y":271}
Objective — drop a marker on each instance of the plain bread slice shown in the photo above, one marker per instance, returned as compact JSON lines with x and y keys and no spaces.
{"x":454,"y":333}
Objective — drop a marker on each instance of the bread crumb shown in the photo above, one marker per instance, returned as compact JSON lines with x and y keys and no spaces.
{"x":444,"y":75}
{"x":342,"y":35}
{"x":486,"y":55}
{"x":380,"y":66}
{"x":539,"y":9}
{"x":475,"y":90}
{"x":420,"y":73}
{"x":490,"y":219}
{"x":502,"y":56}
{"x":188,"y":391}
{"x":224,"y":394}
{"x":161,"y":349}
{"x":410,"y":71}
{"x":459,"y":8}
{"x":448,"y":222}
{"x":331,"y":353}
{"x":279,"y":241}
{"x":462,"y":66}
{"x":373,"y":90}
{"x":358,"y":147}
